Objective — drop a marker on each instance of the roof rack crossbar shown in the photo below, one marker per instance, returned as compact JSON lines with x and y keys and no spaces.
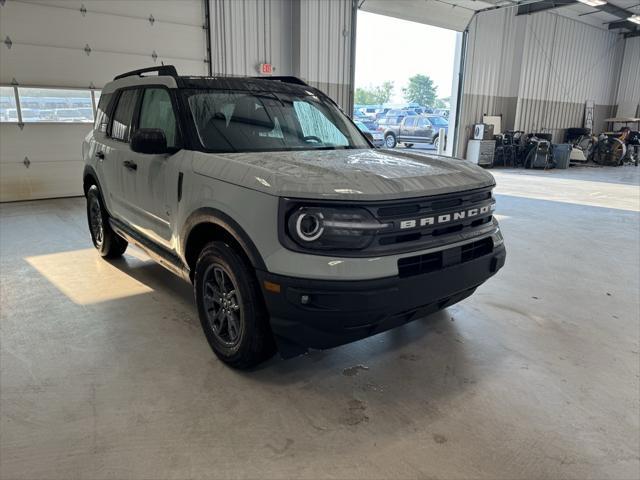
{"x":285,"y":79}
{"x":168,"y":70}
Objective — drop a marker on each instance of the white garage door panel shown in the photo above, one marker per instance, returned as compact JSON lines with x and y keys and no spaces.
{"x":439,"y":14}
{"x":49,"y":38}
{"x":189,"y":12}
{"x":42,"y":142}
{"x":32,"y":24}
{"x":55,"y":156}
{"x":45,"y":66}
{"x":40,"y":180}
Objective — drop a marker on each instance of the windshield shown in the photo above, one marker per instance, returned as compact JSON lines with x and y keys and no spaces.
{"x":241,"y":121}
{"x":361,"y":126}
{"x":438,"y":122}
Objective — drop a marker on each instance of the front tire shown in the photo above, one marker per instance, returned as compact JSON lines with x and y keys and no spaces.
{"x":108,"y":243}
{"x":390,"y":141}
{"x":436,"y":142}
{"x":231,"y":309}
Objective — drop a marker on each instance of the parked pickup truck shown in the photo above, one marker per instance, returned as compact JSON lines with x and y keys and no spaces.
{"x":415,"y":129}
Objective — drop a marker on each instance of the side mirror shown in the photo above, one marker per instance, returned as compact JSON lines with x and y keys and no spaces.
{"x":150,"y":141}
{"x":369,"y":136}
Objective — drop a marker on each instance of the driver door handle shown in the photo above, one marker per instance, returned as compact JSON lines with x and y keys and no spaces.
{"x":130,"y":165}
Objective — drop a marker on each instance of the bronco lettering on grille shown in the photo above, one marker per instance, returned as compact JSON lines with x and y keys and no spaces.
{"x":447,"y":217}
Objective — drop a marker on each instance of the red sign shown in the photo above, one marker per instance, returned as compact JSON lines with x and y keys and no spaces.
{"x":266,"y":68}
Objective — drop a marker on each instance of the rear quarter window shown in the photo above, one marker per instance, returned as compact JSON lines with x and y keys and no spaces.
{"x":102,"y":117}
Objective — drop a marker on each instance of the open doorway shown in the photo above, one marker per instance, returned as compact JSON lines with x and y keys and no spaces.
{"x":405,"y":88}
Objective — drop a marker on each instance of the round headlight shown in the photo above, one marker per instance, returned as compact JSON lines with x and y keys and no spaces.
{"x":309,"y":226}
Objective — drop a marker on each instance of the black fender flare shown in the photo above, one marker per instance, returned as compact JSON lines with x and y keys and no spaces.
{"x":221,"y":219}
{"x":89,"y":171}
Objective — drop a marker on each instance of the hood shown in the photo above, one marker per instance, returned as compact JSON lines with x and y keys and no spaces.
{"x":363,"y":174}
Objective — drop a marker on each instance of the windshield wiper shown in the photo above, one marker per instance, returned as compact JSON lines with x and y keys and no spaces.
{"x":333,"y":147}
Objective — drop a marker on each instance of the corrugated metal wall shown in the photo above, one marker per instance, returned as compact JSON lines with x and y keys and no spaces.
{"x":246,"y":33}
{"x":310,"y":39}
{"x":629,"y":87}
{"x":325,"y":47}
{"x":538,"y":71}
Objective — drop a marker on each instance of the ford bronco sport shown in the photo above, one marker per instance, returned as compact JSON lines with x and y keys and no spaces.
{"x":295,"y":232}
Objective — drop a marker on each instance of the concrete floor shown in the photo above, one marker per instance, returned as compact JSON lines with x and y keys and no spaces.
{"x":105,"y":372}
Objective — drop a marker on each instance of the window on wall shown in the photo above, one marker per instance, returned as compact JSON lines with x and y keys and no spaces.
{"x":55,"y":105}
{"x":41,"y":105}
{"x":8,"y":110}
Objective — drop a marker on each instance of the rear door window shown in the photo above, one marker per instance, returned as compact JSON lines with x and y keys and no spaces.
{"x":123,"y":115}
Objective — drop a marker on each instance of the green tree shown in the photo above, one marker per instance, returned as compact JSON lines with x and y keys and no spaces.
{"x":444,"y":102}
{"x":421,"y":90}
{"x":374,"y":95}
{"x":439,"y":103}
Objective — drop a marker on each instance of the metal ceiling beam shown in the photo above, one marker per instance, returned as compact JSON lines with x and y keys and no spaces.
{"x":623,"y":14}
{"x":614,"y":10}
{"x":622,"y":24}
{"x":634,"y":33}
{"x":535,"y":7}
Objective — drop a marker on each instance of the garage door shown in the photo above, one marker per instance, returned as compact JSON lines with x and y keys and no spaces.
{"x":80,"y":45}
{"x":454,"y":15}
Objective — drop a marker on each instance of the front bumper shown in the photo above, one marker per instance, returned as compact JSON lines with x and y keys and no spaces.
{"x":326,"y":313}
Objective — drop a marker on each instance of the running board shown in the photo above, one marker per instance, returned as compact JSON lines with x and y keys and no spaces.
{"x":159,"y":254}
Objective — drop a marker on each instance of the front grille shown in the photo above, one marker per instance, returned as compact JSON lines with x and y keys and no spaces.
{"x":416,"y":223}
{"x":432,"y":262}
{"x":410,"y":225}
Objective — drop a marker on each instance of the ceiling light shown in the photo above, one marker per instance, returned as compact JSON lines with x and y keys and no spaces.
{"x":634,"y":19}
{"x":593,"y":3}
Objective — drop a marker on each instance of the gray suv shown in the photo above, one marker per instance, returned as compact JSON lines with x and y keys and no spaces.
{"x":295,"y":232}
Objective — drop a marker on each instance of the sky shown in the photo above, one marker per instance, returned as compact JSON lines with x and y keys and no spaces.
{"x":388,"y":48}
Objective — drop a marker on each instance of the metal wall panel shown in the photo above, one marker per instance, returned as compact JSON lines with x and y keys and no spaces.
{"x":538,"y":71}
{"x":325,"y":47}
{"x":246,"y":33}
{"x":628,"y":99}
{"x":310,"y":39}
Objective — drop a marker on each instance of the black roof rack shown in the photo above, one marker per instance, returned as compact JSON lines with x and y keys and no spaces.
{"x":285,"y":79}
{"x":168,"y":70}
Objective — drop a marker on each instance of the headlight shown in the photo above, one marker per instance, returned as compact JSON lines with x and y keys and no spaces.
{"x":328,"y":228}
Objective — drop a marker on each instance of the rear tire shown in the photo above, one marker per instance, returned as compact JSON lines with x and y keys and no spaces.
{"x":390,"y":141}
{"x":231,"y":308}
{"x":436,"y":142}
{"x":108,"y":243}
